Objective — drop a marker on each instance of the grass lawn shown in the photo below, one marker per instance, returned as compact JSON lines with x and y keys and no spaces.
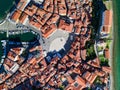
{"x":108,"y":4}
{"x":100,"y":49}
{"x":103,"y":60}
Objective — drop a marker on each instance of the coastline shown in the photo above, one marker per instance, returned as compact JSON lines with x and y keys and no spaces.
{"x":111,"y":61}
{"x":111,"y":54}
{"x":116,"y":46}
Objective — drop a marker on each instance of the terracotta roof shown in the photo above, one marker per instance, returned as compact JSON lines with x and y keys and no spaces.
{"x":52,"y":82}
{"x":8,"y":63}
{"x":32,"y":61}
{"x":48,"y":31}
{"x":108,"y":18}
{"x":60,"y":66}
{"x":11,"y":55}
{"x":53,"y":19}
{"x":42,"y":16}
{"x":35,"y":23}
{"x":106,"y":69}
{"x":48,"y":5}
{"x":40,"y":12}
{"x":65,"y":26}
{"x":64,"y":59}
{"x":71,"y":55}
{"x":21,"y":5}
{"x":107,"y":53}
{"x":20,"y":60}
{"x":35,"y":48}
{"x":70,"y":87}
{"x":99,"y":73}
{"x":73,"y":13}
{"x":69,"y":64}
{"x":106,"y":29}
{"x":54,"y":60}
{"x":30,"y":10}
{"x":69,"y":79}
{"x":83,"y":54}
{"x":16,"y":50}
{"x":77,"y":70}
{"x":23,"y":17}
{"x":92,"y":78}
{"x":1,"y":86}
{"x":77,"y":30}
{"x":80,"y":81}
{"x":87,"y":75}
{"x":43,"y":63}
{"x":94,"y":63}
{"x":16,"y":15}
{"x":55,"y":6}
{"x":62,"y":9}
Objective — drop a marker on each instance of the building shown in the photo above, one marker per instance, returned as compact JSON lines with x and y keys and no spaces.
{"x":22,"y":4}
{"x":16,"y":15}
{"x":107,"y":53}
{"x":107,"y":22}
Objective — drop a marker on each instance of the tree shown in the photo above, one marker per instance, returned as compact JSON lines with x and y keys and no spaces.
{"x":61,"y":87}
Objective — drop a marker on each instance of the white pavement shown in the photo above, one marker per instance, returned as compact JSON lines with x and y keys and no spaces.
{"x":57,"y":44}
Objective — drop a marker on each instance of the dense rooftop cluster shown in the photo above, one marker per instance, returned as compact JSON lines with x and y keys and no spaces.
{"x":11,"y":63}
{"x":71,"y":16}
{"x":73,"y":71}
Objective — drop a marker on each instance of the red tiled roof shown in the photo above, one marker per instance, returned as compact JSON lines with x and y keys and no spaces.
{"x":1,"y":86}
{"x":94,"y":63}
{"x":21,"y":4}
{"x":23,"y":17}
{"x":49,"y":30}
{"x":92,"y":78}
{"x":107,"y":53}
{"x":69,"y":79}
{"x":65,"y":26}
{"x":86,"y":75}
{"x":53,"y":19}
{"x":48,"y":5}
{"x":70,"y":87}
{"x":80,"y":81}
{"x":83,"y":54}
{"x":35,"y":23}
{"x":62,"y":9}
{"x":108,"y":18}
{"x":106,"y":29}
{"x":30,"y":10}
{"x":99,"y":73}
{"x":16,"y":50}
{"x":106,"y":69}
{"x":16,"y":15}
{"x":11,"y":55}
